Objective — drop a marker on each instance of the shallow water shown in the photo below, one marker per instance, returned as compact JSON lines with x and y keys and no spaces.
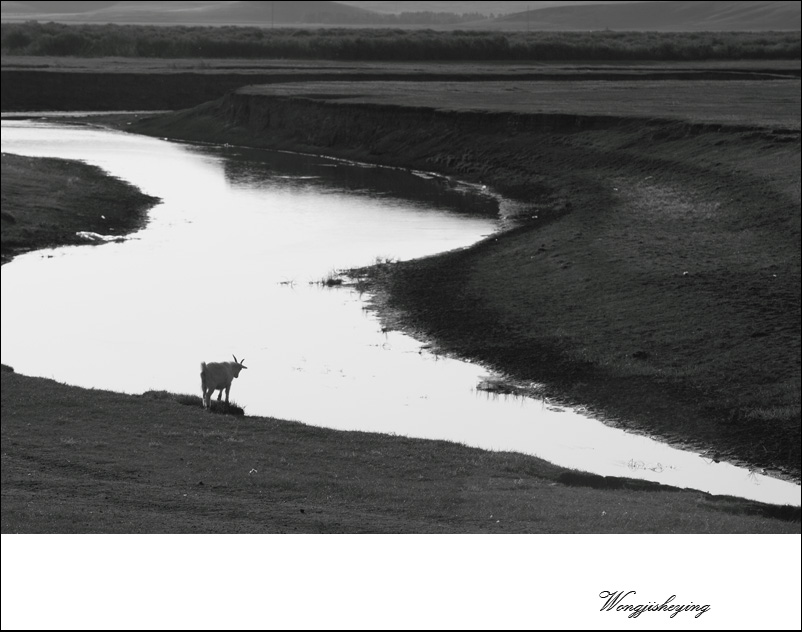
{"x":228,"y":264}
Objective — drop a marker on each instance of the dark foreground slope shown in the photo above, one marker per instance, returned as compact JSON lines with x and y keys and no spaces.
{"x":88,"y":461}
{"x":658,"y":275}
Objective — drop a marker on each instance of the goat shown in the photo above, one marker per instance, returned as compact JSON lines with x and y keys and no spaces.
{"x":218,"y":376}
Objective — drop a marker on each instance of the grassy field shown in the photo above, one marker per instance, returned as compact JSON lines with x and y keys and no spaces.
{"x":46,"y":201}
{"x":731,"y":102}
{"x":88,"y":461}
{"x":658,"y":275}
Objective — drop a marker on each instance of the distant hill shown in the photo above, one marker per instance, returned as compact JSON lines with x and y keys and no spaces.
{"x":261,"y":13}
{"x":486,"y":7}
{"x":663,"y":16}
{"x":53,"y":7}
{"x":557,"y":16}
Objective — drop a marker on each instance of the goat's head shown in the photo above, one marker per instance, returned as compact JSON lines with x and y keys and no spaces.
{"x":238,"y":365}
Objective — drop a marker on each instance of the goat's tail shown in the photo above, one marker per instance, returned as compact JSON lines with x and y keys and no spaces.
{"x":203,"y":377}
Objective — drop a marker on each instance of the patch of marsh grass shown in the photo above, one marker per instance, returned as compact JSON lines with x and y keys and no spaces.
{"x":220,"y":407}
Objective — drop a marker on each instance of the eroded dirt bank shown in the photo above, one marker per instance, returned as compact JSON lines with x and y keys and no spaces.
{"x":657,"y":277}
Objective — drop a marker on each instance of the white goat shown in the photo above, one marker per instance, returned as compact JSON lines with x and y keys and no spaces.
{"x":218,"y":376}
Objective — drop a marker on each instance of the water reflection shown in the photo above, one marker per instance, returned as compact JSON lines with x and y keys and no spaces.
{"x":224,"y":267}
{"x":256,"y":169}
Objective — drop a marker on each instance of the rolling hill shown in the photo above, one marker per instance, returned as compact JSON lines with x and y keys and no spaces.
{"x":485,"y":7}
{"x":663,"y":16}
{"x":212,"y":13}
{"x":724,"y":15}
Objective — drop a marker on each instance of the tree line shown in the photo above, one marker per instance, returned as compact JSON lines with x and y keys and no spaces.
{"x":111,"y":40}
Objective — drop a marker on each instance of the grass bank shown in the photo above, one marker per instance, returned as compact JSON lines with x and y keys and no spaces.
{"x":657,"y":277}
{"x":46,"y":201}
{"x":89,"y":461}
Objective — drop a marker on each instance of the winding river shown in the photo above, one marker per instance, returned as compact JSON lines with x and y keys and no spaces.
{"x":230,"y":263}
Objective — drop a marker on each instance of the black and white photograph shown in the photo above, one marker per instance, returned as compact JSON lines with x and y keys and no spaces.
{"x":401,"y":315}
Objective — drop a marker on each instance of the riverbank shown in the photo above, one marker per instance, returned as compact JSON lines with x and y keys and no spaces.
{"x":657,"y":278}
{"x":47,"y":201}
{"x":90,"y":461}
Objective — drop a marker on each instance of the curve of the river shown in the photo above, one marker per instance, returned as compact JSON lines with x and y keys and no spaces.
{"x":227,"y":264}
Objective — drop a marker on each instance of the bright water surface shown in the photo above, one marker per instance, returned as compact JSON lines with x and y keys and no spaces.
{"x":227,"y":265}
